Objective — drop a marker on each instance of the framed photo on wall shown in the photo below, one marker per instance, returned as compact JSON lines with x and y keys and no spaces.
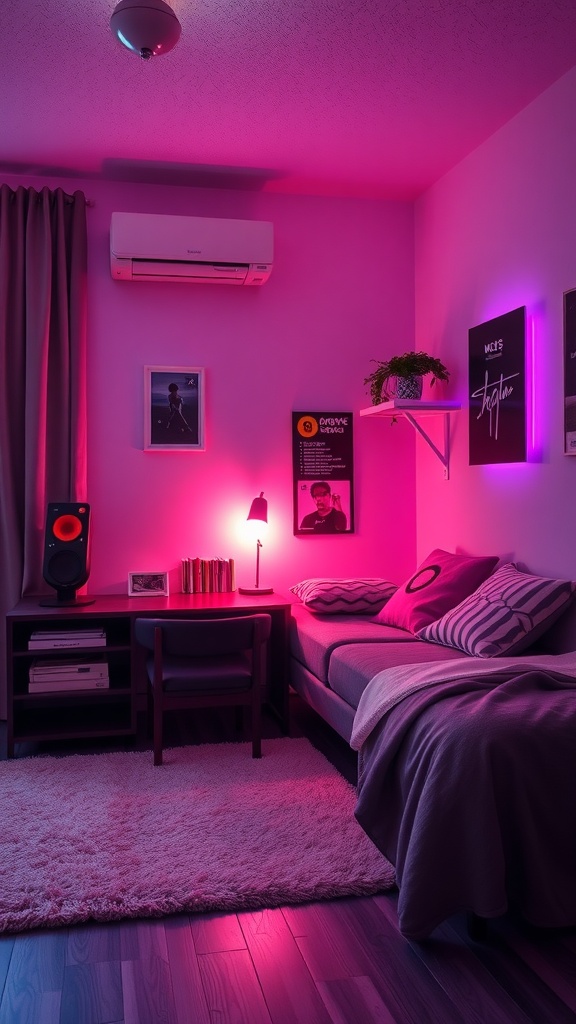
{"x":174,"y":408}
{"x":570,"y":372}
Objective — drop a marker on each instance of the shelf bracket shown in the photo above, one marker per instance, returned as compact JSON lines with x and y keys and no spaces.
{"x":444,"y":456}
{"x":398,"y":407}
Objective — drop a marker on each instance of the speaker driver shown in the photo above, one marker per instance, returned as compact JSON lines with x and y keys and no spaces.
{"x":66,"y":567}
{"x":67,"y":528}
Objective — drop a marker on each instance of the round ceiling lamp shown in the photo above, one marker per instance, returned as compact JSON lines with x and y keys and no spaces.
{"x":147,"y":27}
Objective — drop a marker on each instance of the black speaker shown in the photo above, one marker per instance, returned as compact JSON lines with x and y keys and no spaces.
{"x":66,"y":564}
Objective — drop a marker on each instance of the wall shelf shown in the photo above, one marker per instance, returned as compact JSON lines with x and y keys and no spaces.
{"x":413,"y":411}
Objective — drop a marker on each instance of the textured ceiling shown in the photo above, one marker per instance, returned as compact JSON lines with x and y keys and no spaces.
{"x":343,"y":97}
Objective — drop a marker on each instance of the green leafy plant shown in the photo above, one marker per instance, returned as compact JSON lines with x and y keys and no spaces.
{"x":411,"y":364}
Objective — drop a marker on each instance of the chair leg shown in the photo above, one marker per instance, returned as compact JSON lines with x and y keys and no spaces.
{"x":256,"y":726}
{"x":157,"y":728}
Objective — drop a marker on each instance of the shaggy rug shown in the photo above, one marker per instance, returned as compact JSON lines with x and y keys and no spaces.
{"x":107,"y":836}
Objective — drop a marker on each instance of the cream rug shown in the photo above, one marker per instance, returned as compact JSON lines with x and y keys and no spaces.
{"x":107,"y":836}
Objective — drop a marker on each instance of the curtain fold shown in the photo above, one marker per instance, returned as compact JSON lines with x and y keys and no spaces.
{"x":43,"y":299}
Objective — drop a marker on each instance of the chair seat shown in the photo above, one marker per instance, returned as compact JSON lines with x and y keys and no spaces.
{"x":226,"y":673}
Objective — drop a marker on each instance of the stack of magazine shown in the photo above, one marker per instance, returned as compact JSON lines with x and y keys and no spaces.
{"x":44,"y":640}
{"x":50,"y":675}
{"x":208,"y":575}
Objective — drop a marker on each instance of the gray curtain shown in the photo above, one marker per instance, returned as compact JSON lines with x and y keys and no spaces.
{"x":43,"y":278}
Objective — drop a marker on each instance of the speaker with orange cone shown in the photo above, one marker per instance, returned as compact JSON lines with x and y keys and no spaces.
{"x":66,"y":564}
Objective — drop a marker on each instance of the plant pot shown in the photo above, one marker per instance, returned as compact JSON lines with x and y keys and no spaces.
{"x":409,"y":388}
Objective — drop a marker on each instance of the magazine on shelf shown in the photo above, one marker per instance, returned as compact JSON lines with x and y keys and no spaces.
{"x":57,"y":675}
{"x":42,"y":669}
{"x":59,"y":685}
{"x":38,"y":634}
{"x":48,"y":639}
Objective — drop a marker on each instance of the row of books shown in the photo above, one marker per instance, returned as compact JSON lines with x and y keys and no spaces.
{"x":208,"y":575}
{"x":78,"y":674}
{"x":46,"y":639}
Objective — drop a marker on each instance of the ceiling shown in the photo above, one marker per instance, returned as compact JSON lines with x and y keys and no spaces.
{"x":374,"y":98}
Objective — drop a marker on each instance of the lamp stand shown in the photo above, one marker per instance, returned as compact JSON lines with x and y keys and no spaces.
{"x":257,"y":589}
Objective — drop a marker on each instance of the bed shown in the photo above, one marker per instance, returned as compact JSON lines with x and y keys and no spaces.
{"x":465,"y":728}
{"x":467,"y":785}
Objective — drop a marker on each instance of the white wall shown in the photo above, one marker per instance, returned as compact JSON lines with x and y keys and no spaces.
{"x":496,"y":233}
{"x":341,"y":293}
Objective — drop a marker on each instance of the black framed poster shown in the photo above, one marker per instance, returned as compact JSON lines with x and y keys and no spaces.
{"x":497,"y":389}
{"x":322,"y":464}
{"x":570,"y":372}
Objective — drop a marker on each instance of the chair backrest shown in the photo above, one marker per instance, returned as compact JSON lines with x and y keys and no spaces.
{"x":201,"y":638}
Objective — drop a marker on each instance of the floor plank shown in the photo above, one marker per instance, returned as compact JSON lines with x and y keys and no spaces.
{"x":92,"y":993}
{"x":143,"y":940}
{"x":34,"y":981}
{"x":189,"y":997}
{"x":354,"y":999}
{"x":216,"y":933}
{"x":290,"y":992}
{"x":147,"y":992}
{"x":550,"y":959}
{"x":232,"y":988}
{"x":93,"y":943}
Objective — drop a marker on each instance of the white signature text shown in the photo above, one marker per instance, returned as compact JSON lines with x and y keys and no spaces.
{"x":492,"y":393}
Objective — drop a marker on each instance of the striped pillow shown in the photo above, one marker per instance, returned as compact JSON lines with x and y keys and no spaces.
{"x":335,"y":596}
{"x":505,"y":615}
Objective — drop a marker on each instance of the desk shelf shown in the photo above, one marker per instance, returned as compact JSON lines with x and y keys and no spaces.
{"x":413,"y":412}
{"x":113,"y":711}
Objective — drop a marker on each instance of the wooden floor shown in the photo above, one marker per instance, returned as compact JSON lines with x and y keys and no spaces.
{"x":337,"y":962}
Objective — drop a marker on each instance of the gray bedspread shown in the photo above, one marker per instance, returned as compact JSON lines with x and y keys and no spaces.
{"x":469,"y":788}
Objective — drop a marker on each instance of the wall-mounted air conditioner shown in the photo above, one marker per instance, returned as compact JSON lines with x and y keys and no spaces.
{"x":197,"y":250}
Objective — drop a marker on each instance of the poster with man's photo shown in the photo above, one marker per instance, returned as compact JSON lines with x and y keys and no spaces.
{"x":497,"y":395}
{"x":322,"y":463}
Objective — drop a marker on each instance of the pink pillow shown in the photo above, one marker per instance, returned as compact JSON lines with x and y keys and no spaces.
{"x":440,"y":582}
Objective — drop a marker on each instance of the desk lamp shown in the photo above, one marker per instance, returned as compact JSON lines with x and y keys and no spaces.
{"x":258,"y":516}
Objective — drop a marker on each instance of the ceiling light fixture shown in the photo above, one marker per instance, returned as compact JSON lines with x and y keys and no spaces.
{"x":147,"y":27}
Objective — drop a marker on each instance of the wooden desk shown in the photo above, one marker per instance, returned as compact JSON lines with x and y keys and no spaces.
{"x":113,"y":711}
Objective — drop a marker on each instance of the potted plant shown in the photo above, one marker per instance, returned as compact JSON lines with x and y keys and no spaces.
{"x":407,"y":372}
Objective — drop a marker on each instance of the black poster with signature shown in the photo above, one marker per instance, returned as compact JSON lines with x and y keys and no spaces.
{"x":570,"y":372}
{"x":322,"y":462}
{"x":497,"y":389}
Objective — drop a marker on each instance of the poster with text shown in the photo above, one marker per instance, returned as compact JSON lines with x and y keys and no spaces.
{"x":322,"y":463}
{"x":497,"y":389}
{"x":570,"y":372}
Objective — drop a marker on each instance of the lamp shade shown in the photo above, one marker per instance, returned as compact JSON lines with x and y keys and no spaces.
{"x":259,"y":509}
{"x":147,"y":27}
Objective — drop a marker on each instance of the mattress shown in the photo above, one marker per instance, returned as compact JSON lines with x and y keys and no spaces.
{"x":313,"y":638}
{"x":353,"y":665}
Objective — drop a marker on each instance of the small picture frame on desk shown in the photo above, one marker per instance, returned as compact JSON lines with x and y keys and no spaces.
{"x":148,"y":584}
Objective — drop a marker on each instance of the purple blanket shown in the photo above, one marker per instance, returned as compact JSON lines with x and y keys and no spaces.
{"x":469,"y":788}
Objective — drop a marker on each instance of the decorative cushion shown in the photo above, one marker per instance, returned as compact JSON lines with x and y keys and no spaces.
{"x":440,"y":582}
{"x":505,"y":615}
{"x":336,"y":596}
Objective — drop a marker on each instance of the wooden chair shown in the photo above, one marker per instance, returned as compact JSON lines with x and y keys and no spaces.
{"x":197,"y":663}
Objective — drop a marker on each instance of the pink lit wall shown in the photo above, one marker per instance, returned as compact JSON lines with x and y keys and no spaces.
{"x":496,"y":233}
{"x":341,"y":294}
